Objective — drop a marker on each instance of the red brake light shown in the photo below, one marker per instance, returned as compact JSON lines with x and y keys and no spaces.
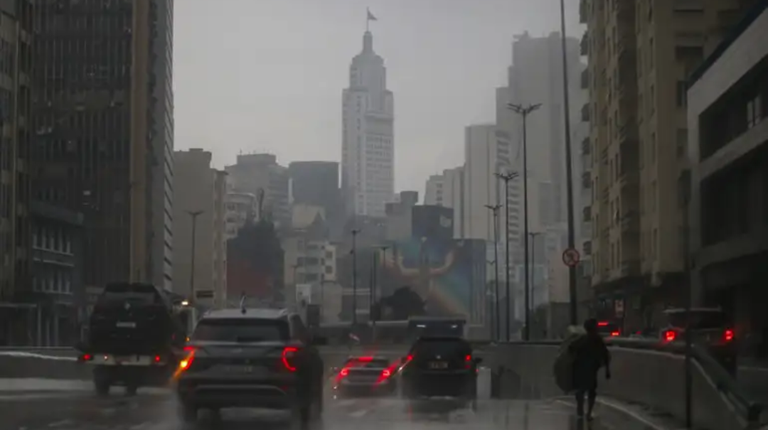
{"x":615,"y":333}
{"x":157,"y":359}
{"x":670,"y":335}
{"x":409,"y":358}
{"x":288,"y":353}
{"x":468,"y":358}
{"x":386,"y":373}
{"x":344,"y":371}
{"x":189,"y":348}
{"x":602,"y":324}
{"x":728,"y":335}
{"x":365,"y":359}
{"x":187,"y":361}
{"x":86,"y":357}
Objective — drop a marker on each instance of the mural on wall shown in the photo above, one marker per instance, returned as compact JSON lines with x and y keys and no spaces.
{"x":446,"y":274}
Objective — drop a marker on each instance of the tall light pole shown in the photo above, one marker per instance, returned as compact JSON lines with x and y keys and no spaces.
{"x":193,"y":215}
{"x":355,"y":232}
{"x":528,"y":304}
{"x":568,"y":170}
{"x":506,"y":177}
{"x":524,"y":111}
{"x":495,"y":209}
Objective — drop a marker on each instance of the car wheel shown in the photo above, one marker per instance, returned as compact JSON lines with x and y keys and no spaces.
{"x":187,"y":413}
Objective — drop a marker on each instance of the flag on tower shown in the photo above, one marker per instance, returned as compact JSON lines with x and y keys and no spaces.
{"x":370,"y":16}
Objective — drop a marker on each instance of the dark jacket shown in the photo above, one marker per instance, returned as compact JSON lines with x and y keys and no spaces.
{"x":590,"y":353}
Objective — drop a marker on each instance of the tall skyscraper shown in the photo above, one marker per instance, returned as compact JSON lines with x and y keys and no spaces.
{"x":15,"y":153}
{"x":368,"y":151}
{"x":103,"y":114}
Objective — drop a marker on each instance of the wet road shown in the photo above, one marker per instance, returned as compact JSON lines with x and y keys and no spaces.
{"x":71,"y":409}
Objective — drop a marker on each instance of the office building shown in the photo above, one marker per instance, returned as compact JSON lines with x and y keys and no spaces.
{"x":15,"y":168}
{"x":316,"y":183}
{"x":728,"y":149}
{"x":434,"y":190}
{"x":368,"y":147}
{"x":640,"y":56}
{"x":260,"y":175}
{"x":240,"y":208}
{"x":104,"y":131}
{"x":200,"y":228}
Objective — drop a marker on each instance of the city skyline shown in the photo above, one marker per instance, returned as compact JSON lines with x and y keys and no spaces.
{"x":432,"y":108}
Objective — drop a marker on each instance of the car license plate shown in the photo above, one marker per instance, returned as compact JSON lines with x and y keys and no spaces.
{"x":438,"y":365}
{"x":243,"y":369}
{"x":126,"y":324}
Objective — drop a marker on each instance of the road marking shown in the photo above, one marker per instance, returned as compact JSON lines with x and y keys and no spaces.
{"x":359,"y":414}
{"x":60,"y":423}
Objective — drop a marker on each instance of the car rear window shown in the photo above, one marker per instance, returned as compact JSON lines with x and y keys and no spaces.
{"x":136,"y":294}
{"x":700,"y":320}
{"x":241,"y":330}
{"x":442,"y":346}
{"x":367,"y":362}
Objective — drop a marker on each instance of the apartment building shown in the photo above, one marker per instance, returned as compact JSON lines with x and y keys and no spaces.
{"x":728,"y":149}
{"x":240,"y":208}
{"x":640,"y":55}
{"x":200,"y":228}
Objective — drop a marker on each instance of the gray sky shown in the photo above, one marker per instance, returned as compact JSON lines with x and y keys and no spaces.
{"x":267,"y":75}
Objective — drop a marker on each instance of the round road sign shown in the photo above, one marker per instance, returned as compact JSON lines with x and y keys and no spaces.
{"x":571,"y":257}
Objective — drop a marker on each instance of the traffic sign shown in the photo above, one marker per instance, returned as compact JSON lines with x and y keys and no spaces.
{"x":571,"y":257}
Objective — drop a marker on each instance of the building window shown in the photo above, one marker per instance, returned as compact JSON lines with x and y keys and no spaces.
{"x":682,"y":142}
{"x":682,"y":94}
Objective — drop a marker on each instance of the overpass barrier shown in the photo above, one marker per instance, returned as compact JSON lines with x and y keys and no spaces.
{"x":644,"y":372}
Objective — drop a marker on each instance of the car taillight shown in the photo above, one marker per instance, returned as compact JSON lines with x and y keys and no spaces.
{"x":344,"y":371}
{"x":158,"y":359}
{"x":186,"y":362}
{"x":86,"y":357}
{"x":615,"y":334}
{"x":189,"y":348}
{"x":728,"y":335}
{"x":670,"y":335}
{"x":408,"y":358}
{"x":468,"y":361}
{"x":289,"y":352}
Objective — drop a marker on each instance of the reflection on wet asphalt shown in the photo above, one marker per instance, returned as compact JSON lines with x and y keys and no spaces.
{"x":83,"y":411}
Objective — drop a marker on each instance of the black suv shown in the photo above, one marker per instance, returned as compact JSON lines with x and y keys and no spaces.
{"x":439,"y":366}
{"x":260,"y":358}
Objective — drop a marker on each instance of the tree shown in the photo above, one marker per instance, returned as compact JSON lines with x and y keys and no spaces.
{"x":404,"y":303}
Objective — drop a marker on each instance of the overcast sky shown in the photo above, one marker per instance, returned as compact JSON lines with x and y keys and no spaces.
{"x":267,"y":75}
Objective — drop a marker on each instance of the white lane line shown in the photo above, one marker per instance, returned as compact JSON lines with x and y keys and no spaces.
{"x":359,"y":414}
{"x":60,"y":423}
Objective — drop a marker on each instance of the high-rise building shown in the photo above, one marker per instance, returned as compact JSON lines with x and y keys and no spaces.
{"x":199,"y":227}
{"x":486,"y":152}
{"x":640,"y":56}
{"x":104,"y":130}
{"x":433,"y":190}
{"x":728,"y":153}
{"x":15,"y":158}
{"x":368,"y":151}
{"x":316,"y":183}
{"x":260,"y":175}
{"x":240,"y":207}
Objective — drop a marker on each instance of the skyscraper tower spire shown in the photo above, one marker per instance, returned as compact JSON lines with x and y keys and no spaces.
{"x":367,"y":156}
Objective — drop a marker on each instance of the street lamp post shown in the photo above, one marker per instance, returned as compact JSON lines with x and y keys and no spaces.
{"x":528,"y":303}
{"x":568,"y":170}
{"x":506,"y":177}
{"x":355,"y":232}
{"x":497,"y":314}
{"x":524,"y":111}
{"x":193,"y":215}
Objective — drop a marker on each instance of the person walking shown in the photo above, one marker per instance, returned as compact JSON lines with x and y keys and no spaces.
{"x":589,"y":354}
